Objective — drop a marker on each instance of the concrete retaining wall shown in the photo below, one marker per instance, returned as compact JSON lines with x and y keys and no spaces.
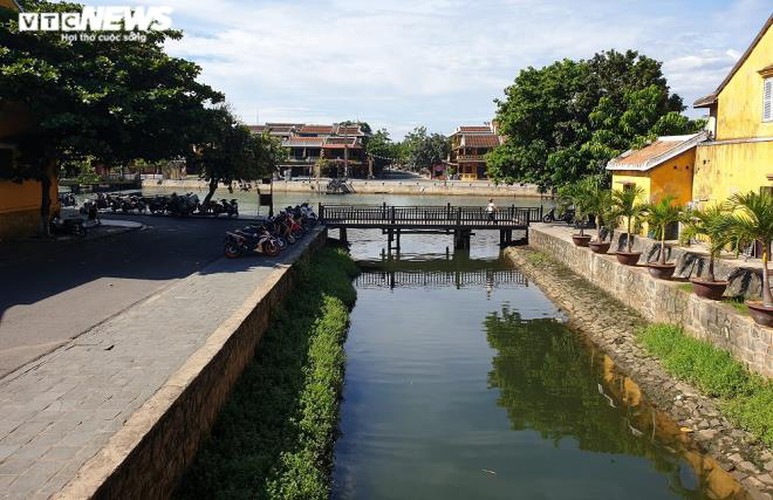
{"x":663,"y":301}
{"x":418,"y":187}
{"x":148,"y":456}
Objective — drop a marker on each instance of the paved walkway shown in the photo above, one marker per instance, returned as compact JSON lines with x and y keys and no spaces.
{"x":60,"y":410}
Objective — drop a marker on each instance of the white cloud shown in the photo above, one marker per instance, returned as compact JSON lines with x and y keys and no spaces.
{"x":402,"y":63}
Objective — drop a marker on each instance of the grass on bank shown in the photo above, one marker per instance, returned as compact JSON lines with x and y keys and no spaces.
{"x":745,"y":398}
{"x":274,"y":437}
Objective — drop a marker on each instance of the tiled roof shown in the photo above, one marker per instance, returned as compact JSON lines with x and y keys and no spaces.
{"x":652,"y":155}
{"x":475,"y":129}
{"x":342,"y":142}
{"x":308,"y":142}
{"x":712,"y":98}
{"x":316,"y":129}
{"x":256,"y":129}
{"x":480,"y":141}
{"x":349,"y":130}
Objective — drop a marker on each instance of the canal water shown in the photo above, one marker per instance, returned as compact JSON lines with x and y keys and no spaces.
{"x":463,"y":382}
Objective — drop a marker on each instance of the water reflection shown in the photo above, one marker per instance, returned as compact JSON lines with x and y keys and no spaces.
{"x":551,"y":383}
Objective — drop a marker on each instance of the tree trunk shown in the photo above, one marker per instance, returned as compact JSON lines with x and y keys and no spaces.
{"x":629,"y":237}
{"x":598,"y":228}
{"x":211,"y":193}
{"x":662,"y":255}
{"x":45,"y":198}
{"x":710,"y":275}
{"x":767,"y":297}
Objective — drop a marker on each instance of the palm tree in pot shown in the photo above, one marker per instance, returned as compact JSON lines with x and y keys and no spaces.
{"x":711,"y":223}
{"x":658,"y":217}
{"x":626,"y":204}
{"x":606,"y":222}
{"x":580,"y":195}
{"x":752,"y":221}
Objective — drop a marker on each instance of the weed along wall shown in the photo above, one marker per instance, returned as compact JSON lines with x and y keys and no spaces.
{"x":147,"y":457}
{"x":663,"y":301}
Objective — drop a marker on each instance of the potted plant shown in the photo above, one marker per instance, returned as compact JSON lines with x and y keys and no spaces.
{"x":753,"y":221}
{"x":580,"y":195}
{"x":606,"y":221}
{"x":713,"y":224}
{"x":659,"y":215}
{"x":626,"y":205}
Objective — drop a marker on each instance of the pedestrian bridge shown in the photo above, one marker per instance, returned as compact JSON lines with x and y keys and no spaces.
{"x":458,"y":279}
{"x":459,"y":220}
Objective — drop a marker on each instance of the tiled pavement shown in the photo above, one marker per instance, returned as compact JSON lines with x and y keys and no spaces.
{"x":60,"y":410}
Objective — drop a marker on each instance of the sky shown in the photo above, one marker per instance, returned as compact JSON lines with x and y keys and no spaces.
{"x":399,"y":64}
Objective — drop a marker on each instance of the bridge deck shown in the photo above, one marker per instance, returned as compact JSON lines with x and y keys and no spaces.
{"x":427,"y":217}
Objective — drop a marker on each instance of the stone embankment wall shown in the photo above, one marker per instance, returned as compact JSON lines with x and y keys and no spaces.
{"x":377,"y":186}
{"x":700,"y":428}
{"x":159,"y":442}
{"x":663,"y":301}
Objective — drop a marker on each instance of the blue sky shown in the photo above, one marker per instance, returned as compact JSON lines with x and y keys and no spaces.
{"x":399,"y":64}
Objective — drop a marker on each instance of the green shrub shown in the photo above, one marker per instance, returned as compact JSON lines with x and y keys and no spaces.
{"x":746,"y":398}
{"x":274,"y":437}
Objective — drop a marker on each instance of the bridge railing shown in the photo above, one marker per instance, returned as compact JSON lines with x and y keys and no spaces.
{"x":431,"y":215}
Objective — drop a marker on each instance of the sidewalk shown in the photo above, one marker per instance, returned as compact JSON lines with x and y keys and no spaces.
{"x":60,"y":410}
{"x":13,"y":250}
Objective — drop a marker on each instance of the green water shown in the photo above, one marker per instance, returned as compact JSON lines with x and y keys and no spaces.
{"x":463,"y":382}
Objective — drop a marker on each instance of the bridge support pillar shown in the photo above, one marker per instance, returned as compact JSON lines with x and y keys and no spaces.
{"x":342,"y":235}
{"x":462,"y":239}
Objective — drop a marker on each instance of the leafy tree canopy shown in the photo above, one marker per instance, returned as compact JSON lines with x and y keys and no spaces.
{"x":422,"y":150}
{"x":567,"y":120}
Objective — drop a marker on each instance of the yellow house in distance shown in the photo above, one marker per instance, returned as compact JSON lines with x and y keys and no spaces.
{"x":19,"y":201}
{"x":739,"y":156}
{"x":663,"y":167}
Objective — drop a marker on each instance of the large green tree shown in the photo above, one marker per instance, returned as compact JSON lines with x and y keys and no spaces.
{"x":112,"y":102}
{"x":567,"y":120}
{"x":231,"y":153}
{"x":423,"y":150}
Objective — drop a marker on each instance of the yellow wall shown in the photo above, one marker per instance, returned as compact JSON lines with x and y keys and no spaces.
{"x":740,"y":102}
{"x":724,"y":169}
{"x":641,"y":179}
{"x":19,"y":197}
{"x":673,"y":177}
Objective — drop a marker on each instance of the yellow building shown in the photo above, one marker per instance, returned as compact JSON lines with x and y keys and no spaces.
{"x":19,"y":201}
{"x":739,"y":157}
{"x":661,"y":168}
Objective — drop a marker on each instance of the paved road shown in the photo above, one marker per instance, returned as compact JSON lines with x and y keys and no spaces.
{"x":55,"y":291}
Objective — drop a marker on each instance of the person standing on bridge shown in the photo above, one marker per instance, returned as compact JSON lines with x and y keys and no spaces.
{"x":491,"y":211}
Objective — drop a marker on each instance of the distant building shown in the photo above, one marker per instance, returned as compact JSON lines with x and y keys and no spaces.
{"x":343,"y":146}
{"x":469,"y":146}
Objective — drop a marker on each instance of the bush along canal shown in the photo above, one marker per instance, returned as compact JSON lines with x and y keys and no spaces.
{"x":274,"y":438}
{"x":464,"y":380}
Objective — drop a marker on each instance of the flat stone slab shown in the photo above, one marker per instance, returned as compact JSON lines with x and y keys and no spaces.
{"x":61,"y":410}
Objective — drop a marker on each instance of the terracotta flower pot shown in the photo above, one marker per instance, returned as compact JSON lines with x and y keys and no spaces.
{"x":629,"y":259}
{"x":581,"y":240}
{"x":708,"y":289}
{"x":661,"y":271}
{"x":760,"y":314}
{"x":599,"y":247}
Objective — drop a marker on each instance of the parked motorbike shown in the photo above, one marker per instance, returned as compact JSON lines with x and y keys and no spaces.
{"x":566,"y":215}
{"x":73,"y":226}
{"x":238,"y":243}
{"x":231,"y":208}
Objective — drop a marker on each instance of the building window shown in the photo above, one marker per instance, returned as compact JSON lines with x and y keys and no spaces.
{"x":767,"y":100}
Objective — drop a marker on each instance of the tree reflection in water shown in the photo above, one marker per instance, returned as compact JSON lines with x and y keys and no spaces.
{"x":552,"y":383}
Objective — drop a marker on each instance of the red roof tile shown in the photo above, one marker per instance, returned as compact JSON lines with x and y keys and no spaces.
{"x":480,"y":141}
{"x":316,"y":129}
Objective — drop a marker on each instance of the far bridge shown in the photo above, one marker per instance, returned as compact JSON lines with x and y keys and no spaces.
{"x":460,"y":221}
{"x":391,"y":279}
